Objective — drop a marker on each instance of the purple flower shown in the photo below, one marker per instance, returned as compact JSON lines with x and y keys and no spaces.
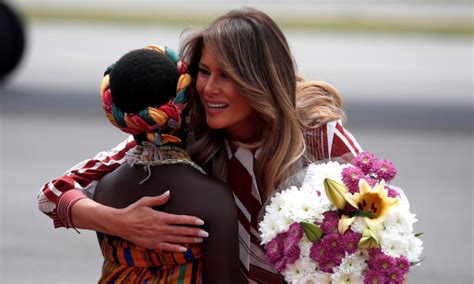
{"x":350,"y":241}
{"x":295,"y":231}
{"x":374,"y":277}
{"x":327,"y":265}
{"x":365,"y":161}
{"x":291,"y":247}
{"x":381,"y":262}
{"x":385,"y":170}
{"x":330,"y":222}
{"x":392,"y":192}
{"x":293,"y":256}
{"x":351,"y":177}
{"x":403,"y":264}
{"x":318,"y":252}
{"x":274,"y":249}
{"x":395,"y":275}
{"x":281,"y":264}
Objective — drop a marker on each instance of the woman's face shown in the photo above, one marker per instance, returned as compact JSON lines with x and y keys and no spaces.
{"x":225,"y":107}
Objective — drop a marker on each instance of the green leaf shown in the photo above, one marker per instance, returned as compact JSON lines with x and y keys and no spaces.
{"x":413,"y":263}
{"x":312,"y":231}
{"x":362,"y":213}
{"x":419,"y":234}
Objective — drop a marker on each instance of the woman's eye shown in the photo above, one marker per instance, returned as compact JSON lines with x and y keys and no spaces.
{"x":204,"y":71}
{"x":224,"y":76}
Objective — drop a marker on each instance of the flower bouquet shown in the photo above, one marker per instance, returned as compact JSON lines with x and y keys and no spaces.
{"x":344,"y":224}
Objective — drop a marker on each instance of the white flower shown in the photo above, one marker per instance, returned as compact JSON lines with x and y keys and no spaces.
{"x":320,"y":277}
{"x":353,"y":264}
{"x":305,"y":246}
{"x":358,"y":225}
{"x":393,"y":244}
{"x":268,"y":228}
{"x":299,"y":271}
{"x":415,"y":248}
{"x":400,"y":221}
{"x":302,"y":204}
{"x":340,"y":277}
{"x":316,"y":174}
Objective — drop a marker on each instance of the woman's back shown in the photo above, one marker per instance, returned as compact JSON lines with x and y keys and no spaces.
{"x":192,"y":193}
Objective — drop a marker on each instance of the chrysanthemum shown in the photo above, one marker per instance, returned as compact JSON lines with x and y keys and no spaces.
{"x":274,"y":249}
{"x":299,"y":271}
{"x":395,"y":275}
{"x":365,"y":161}
{"x":350,"y":240}
{"x":403,"y":264}
{"x":329,"y":225}
{"x":400,"y":221}
{"x":384,"y":169}
{"x":374,"y":277}
{"x":415,"y":248}
{"x":393,"y":244}
{"x":351,"y":177}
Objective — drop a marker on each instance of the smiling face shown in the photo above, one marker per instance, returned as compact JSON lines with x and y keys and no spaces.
{"x":224,"y":106}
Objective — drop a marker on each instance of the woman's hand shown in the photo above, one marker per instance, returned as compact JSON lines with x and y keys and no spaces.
{"x":143,"y":225}
{"x":140,"y":223}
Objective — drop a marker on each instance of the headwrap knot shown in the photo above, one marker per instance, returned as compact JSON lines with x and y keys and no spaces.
{"x":159,"y":123}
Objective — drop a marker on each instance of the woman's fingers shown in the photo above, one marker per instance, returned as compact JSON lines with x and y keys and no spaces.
{"x":173,"y":219}
{"x":171,"y":247}
{"x":151,"y":201}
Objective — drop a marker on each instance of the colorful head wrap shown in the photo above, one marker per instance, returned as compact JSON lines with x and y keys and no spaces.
{"x":159,"y":123}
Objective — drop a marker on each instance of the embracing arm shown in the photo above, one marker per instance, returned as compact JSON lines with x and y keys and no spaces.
{"x":57,"y":197}
{"x":66,"y":201}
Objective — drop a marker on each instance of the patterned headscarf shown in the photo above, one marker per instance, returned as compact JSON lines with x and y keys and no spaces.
{"x":159,"y":123}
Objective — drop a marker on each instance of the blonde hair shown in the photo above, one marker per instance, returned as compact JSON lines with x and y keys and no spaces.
{"x":253,"y":52}
{"x":317,"y":103}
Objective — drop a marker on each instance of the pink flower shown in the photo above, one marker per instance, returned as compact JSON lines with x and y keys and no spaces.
{"x":385,"y":170}
{"x":403,"y":264}
{"x":329,"y":225}
{"x":392,"y":192}
{"x":318,"y":252}
{"x":380,"y":261}
{"x":395,"y":275}
{"x":365,"y":161}
{"x":374,"y":277}
{"x":351,"y":177}
{"x":295,"y":231}
{"x":274,"y":249}
{"x":281,"y":264}
{"x":350,"y":241}
{"x":291,"y":248}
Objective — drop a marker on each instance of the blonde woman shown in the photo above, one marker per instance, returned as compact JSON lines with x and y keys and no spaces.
{"x":254,"y":124}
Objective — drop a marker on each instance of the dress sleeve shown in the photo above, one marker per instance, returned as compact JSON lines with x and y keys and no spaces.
{"x":331,"y":141}
{"x":57,"y":197}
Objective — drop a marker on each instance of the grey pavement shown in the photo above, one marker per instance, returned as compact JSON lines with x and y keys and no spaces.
{"x":409,"y":99}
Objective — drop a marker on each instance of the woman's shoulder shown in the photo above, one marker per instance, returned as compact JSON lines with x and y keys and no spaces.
{"x":330,"y":140}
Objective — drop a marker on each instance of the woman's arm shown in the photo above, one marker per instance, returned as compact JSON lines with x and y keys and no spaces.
{"x":331,"y":140}
{"x":66,"y":201}
{"x":57,"y":197}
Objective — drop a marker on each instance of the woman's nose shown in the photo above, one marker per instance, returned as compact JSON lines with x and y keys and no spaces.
{"x":212,"y":85}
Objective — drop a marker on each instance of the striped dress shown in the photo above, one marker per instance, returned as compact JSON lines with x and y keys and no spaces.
{"x":329,"y":141}
{"x":125,"y":262}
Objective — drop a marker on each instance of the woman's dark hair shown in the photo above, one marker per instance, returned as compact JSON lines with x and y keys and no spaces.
{"x":143,"y":78}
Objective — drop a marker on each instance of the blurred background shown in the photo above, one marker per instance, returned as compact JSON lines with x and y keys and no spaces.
{"x":405,"y":69}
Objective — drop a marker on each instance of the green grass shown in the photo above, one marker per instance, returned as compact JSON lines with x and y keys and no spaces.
{"x":346,"y":24}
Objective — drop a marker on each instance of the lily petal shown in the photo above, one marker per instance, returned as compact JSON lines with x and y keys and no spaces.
{"x":335,"y":192}
{"x":344,"y":223}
